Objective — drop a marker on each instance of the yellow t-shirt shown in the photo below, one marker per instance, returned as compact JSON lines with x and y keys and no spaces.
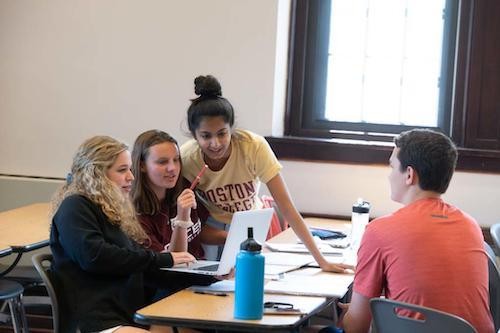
{"x":236,"y":186}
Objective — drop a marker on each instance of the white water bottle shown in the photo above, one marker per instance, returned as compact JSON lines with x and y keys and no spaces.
{"x":359,"y":220}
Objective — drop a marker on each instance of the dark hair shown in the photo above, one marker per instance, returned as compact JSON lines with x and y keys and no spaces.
{"x":431,"y":154}
{"x":143,"y":197}
{"x":209,"y":103}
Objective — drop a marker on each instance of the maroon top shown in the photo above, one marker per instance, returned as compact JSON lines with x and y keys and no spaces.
{"x":159,"y":230}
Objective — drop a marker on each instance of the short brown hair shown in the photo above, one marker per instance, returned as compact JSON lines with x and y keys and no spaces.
{"x":431,"y":154}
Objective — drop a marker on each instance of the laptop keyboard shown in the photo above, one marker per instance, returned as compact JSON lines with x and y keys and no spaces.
{"x":210,"y":268}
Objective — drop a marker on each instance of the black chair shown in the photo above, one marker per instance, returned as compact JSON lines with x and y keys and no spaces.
{"x":495,"y":235}
{"x":11,"y":292}
{"x":42,"y":264}
{"x":387,"y":320}
{"x":494,"y":285}
{"x":25,"y":275}
{"x":491,"y":254}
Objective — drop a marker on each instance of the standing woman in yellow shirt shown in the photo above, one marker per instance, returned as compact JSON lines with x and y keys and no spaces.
{"x":238,"y":162}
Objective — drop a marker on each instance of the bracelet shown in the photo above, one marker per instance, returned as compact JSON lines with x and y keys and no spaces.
{"x":181,"y":224}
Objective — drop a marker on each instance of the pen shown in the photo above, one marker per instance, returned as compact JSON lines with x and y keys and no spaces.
{"x":197,"y":179}
{"x":268,"y":311}
{"x":288,"y":310}
{"x":214,"y":293}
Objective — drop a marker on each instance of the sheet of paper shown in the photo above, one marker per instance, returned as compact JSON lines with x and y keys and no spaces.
{"x":220,"y":286}
{"x":300,"y":248}
{"x":340,"y":243}
{"x":278,"y":269}
{"x":287,"y":259}
{"x":306,"y":285}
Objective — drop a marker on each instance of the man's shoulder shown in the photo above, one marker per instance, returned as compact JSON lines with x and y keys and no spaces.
{"x":459,"y":212}
{"x":385,"y":219}
{"x":381,"y":228}
{"x":387,"y":224}
{"x":436,"y":208}
{"x":423,"y":210}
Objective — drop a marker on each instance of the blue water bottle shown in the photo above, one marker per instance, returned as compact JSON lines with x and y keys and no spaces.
{"x":249,"y":280}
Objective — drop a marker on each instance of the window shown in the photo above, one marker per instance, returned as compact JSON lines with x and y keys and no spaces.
{"x":384,"y":61}
{"x":361,"y":72}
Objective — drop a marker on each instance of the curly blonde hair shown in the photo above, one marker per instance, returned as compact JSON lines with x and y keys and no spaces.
{"x":88,"y":178}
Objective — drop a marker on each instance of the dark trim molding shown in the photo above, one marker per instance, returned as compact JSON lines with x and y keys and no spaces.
{"x":326,"y":150}
{"x":32,"y":177}
{"x":475,"y":105}
{"x":329,"y":150}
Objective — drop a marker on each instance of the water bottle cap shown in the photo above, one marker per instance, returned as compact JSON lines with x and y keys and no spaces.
{"x":250,"y":244}
{"x":361,"y":207}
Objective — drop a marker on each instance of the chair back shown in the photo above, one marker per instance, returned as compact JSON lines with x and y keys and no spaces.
{"x":490,"y":252}
{"x":42,"y":263}
{"x":493,"y":285}
{"x":278,"y":222}
{"x":495,"y":235}
{"x":387,"y":320}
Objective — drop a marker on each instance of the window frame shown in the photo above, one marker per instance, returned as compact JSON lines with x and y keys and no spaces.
{"x":303,"y":142}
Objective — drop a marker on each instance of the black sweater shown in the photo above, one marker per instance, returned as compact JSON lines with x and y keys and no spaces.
{"x":99,"y":273}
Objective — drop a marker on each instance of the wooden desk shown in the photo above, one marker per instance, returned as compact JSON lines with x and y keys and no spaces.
{"x":24,"y":229}
{"x":188,"y":309}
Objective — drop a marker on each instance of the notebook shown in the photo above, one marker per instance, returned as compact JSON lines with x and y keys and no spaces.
{"x":259,"y":219}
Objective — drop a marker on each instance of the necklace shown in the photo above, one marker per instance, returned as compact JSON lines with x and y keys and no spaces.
{"x":217,"y":165}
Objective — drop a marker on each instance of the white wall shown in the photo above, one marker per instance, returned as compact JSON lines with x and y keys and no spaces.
{"x":71,"y":69}
{"x":332,"y":188}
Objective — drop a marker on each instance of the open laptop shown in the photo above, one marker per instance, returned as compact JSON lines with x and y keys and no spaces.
{"x":259,"y":219}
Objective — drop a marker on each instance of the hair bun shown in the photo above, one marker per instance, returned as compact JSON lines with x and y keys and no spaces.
{"x":207,"y":86}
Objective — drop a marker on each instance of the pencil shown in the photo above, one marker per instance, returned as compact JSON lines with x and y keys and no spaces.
{"x":197,"y":179}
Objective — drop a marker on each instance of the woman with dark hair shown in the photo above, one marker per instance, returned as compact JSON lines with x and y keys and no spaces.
{"x":238,"y":161}
{"x":165,"y":206}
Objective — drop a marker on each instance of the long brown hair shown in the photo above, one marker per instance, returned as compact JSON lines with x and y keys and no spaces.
{"x":143,"y":197}
{"x":88,"y":178}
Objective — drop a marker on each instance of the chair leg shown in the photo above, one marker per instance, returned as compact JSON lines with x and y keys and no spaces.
{"x":18,"y":315}
{"x":4,"y":318}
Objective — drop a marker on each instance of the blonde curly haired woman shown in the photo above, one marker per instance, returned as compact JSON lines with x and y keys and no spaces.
{"x":100,"y":267}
